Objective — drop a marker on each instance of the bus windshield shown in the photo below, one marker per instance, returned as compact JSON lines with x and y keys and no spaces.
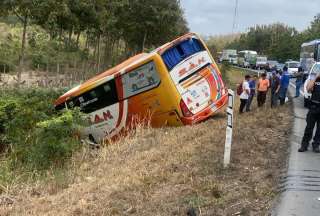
{"x":180,"y":52}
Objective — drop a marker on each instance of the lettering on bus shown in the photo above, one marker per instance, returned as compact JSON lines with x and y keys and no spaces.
{"x":192,"y":66}
{"x":106,"y":116}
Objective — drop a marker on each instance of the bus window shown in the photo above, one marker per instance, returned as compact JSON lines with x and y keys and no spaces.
{"x":98,"y":98}
{"x":139,"y":80}
{"x":183,"y":50}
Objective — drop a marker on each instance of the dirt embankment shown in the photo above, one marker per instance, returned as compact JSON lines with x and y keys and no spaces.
{"x":171,"y":171}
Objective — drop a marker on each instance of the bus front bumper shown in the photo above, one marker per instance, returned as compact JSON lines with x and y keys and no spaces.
{"x":207,"y":112}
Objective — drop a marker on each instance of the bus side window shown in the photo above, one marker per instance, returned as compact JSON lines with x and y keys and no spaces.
{"x":97,"y":98}
{"x":140,"y":80}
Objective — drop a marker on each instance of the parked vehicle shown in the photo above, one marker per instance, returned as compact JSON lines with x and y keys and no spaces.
{"x":271,"y":65}
{"x":247,"y":58}
{"x":310,"y":53}
{"x":176,"y":84}
{"x":293,"y":66}
{"x":261,"y":62}
{"x":279,"y":67}
{"x":229,"y":56}
{"x":315,"y":70}
{"x":219,"y":55}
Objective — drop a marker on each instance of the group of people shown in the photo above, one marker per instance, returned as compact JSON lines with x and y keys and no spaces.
{"x":252,"y":86}
{"x":278,"y":84}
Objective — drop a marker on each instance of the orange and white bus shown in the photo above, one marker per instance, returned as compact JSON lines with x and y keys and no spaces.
{"x":179,"y":84}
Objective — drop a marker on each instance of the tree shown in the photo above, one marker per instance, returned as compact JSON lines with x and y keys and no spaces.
{"x":314,"y":30}
{"x":22,"y":9}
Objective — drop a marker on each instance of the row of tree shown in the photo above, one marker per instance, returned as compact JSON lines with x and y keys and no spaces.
{"x":277,"y":41}
{"x":107,"y":28}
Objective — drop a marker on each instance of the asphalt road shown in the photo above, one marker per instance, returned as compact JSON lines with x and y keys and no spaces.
{"x":300,"y":187}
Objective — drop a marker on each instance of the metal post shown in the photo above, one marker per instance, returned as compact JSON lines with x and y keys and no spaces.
{"x":228,"y":143}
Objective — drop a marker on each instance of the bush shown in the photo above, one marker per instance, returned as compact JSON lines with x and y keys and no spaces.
{"x":52,"y":144}
{"x":32,"y":134}
{"x":224,"y":68}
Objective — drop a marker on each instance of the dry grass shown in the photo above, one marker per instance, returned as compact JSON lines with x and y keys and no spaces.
{"x":170,"y":171}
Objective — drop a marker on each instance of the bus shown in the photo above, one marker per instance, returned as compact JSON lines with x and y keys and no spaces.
{"x":229,"y":56}
{"x":247,"y":58}
{"x":310,"y":53}
{"x":177,"y":84}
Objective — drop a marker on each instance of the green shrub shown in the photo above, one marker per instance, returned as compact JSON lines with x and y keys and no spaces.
{"x":224,"y":68}
{"x":54,"y":141}
{"x":32,"y":134}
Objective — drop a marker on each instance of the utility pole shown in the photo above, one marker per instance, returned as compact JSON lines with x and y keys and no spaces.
{"x":235,"y":17}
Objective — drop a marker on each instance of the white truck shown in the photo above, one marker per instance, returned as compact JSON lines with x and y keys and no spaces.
{"x":229,"y":56}
{"x":262,"y":62}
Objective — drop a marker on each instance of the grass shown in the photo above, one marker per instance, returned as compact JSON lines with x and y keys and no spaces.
{"x":170,"y":171}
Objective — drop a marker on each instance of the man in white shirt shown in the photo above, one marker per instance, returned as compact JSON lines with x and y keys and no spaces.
{"x":244,"y":96}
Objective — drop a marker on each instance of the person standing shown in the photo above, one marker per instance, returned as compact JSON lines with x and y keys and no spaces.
{"x":275,"y":88}
{"x":313,"y":117}
{"x":284,"y":84}
{"x":252,"y":86}
{"x":244,"y":96}
{"x":299,"y":81}
{"x":263,"y":86}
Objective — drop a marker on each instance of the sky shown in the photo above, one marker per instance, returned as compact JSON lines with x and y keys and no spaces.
{"x":215,"y":17}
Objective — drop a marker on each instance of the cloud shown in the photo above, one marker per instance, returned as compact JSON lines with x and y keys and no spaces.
{"x":211,"y":17}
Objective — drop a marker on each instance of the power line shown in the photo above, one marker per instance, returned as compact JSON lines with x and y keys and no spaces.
{"x":235,"y":16}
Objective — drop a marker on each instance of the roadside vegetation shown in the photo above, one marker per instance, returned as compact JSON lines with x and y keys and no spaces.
{"x":166,"y":171}
{"x":277,"y":41}
{"x":33,"y":137}
{"x":82,"y":37}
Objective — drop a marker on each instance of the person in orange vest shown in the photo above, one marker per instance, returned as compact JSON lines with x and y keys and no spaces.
{"x":263,"y":86}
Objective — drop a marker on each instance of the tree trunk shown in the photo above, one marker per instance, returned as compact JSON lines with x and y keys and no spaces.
{"x":98,"y":55}
{"x":144,"y":42}
{"x":23,"y":46}
{"x":69,"y":38}
{"x":78,"y":38}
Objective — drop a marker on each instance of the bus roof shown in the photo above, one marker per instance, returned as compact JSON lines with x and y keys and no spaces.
{"x":317,"y":41}
{"x":119,"y":69}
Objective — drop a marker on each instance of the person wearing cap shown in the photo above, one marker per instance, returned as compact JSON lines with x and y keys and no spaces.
{"x":275,"y":88}
{"x":313,"y":117}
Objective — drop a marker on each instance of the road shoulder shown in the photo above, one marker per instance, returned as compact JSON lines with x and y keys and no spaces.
{"x":301,"y":185}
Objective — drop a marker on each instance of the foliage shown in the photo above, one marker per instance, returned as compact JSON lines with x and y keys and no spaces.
{"x":32,"y":134}
{"x":224,"y":68}
{"x":100,"y":32}
{"x":278,"y":41}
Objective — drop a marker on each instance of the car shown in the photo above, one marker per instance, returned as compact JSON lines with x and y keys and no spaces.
{"x":315,"y":71}
{"x":293,"y":66}
{"x":279,"y":67}
{"x":271,"y":65}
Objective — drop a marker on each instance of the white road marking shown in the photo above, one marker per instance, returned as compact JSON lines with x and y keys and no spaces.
{"x":294,"y":86}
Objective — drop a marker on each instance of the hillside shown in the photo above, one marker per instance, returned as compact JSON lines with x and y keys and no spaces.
{"x":168,"y":171}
